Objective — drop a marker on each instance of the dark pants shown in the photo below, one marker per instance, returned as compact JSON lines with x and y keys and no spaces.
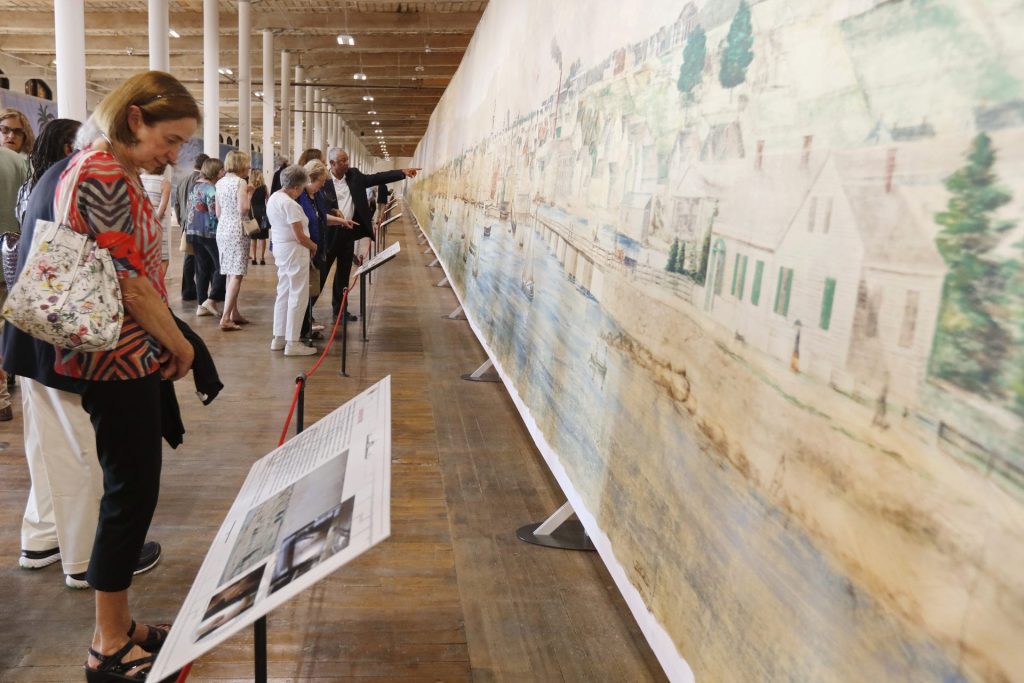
{"x":210,"y":284}
{"x":188,"y":278}
{"x":340,"y":248}
{"x":125,"y":415}
{"x":322,"y":268}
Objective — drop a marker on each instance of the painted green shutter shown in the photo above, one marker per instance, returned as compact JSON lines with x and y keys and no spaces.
{"x":735,"y":272}
{"x":826,"y":302}
{"x":755,"y":292}
{"x":741,"y":286}
{"x":789,"y":289}
{"x":778,"y":290}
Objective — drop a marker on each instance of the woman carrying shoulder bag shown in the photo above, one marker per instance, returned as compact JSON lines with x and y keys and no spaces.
{"x":142,"y":124}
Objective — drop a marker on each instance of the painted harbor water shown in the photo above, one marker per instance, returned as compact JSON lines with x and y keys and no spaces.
{"x":750,"y":571}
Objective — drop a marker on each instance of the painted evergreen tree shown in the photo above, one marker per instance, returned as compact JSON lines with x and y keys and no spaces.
{"x":1015,"y":381}
{"x":971,"y":346}
{"x":738,"y":52}
{"x":673,"y":257}
{"x":694,"y":55}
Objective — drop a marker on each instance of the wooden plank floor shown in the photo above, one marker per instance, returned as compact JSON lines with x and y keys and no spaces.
{"x":451,"y":596}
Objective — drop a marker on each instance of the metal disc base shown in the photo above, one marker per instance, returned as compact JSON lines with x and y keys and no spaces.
{"x":493,"y":379}
{"x":569,"y":536}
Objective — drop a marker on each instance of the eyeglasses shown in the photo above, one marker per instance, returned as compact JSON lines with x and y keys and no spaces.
{"x":4,"y":130}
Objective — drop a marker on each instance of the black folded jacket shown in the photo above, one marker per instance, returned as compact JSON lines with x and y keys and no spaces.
{"x":207,"y":381}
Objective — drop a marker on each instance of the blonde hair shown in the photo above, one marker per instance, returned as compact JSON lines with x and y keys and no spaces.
{"x":256,"y":178}
{"x":316,"y":170}
{"x":158,"y":95}
{"x":211,"y":169}
{"x":28,"y":140}
{"x":236,"y":162}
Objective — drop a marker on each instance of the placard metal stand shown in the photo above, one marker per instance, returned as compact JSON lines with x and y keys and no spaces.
{"x":557,"y":531}
{"x":316,"y":472}
{"x":443,"y":282}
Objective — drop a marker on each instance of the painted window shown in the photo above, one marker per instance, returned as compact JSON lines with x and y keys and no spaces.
{"x":812,"y":210}
{"x":735,"y":274}
{"x":783,"y":290}
{"x":828,"y":296}
{"x":828,"y":216}
{"x":755,"y":291}
{"x":909,"y":325}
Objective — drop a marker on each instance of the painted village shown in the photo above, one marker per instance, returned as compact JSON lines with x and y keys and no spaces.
{"x":690,"y":178}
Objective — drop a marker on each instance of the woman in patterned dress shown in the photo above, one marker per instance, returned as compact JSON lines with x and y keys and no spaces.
{"x":233,"y":197}
{"x":142,"y":124}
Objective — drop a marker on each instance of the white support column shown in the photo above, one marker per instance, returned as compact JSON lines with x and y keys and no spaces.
{"x":286,"y":106}
{"x":324,"y":118}
{"x":268,"y":103}
{"x":159,"y":36}
{"x":300,"y":104}
{"x":211,"y":79}
{"x":244,"y":77}
{"x":328,"y":129}
{"x":307,"y":132}
{"x":69,"y":31}
{"x":318,"y":129}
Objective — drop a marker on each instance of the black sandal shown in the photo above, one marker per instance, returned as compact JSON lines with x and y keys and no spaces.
{"x":155,"y":640}
{"x":113,"y":668}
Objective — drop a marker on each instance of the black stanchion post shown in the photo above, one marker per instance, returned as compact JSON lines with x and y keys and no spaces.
{"x":362,"y":302}
{"x":300,"y":406}
{"x":344,"y":339}
{"x":259,"y":636}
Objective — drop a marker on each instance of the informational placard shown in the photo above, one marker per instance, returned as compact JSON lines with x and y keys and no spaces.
{"x":391,"y":220}
{"x":307,"y":508}
{"x":381,"y":258}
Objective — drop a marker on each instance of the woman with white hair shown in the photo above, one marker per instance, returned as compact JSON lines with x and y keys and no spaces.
{"x":293,"y":249}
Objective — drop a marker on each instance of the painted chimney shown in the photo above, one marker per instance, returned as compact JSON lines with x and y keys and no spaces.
{"x":759,"y":156}
{"x":890,"y":167}
{"x":805,"y":158}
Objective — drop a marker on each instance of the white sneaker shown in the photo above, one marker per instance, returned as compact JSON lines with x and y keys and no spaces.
{"x":299,"y":349}
{"x":277,"y":343}
{"x":202,"y":311}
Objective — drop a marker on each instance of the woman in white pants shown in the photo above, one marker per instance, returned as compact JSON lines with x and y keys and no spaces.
{"x":293,"y":249}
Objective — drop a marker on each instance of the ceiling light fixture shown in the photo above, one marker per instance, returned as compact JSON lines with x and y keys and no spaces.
{"x":346,"y":40}
{"x":379,"y":130}
{"x":258,"y":93}
{"x":224,"y":71}
{"x":367,"y":98}
{"x":374,"y":123}
{"x":372,"y":112}
{"x":360,"y":76}
{"x":173,"y":34}
{"x":419,"y":67}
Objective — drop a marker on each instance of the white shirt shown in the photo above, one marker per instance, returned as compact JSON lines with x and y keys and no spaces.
{"x":282,"y":211}
{"x":345,"y":203}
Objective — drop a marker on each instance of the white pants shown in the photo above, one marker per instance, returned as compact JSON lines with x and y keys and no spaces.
{"x":292,"y":289}
{"x":64,"y":500}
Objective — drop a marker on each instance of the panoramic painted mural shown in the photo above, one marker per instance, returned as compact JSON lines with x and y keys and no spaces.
{"x":756,"y":270}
